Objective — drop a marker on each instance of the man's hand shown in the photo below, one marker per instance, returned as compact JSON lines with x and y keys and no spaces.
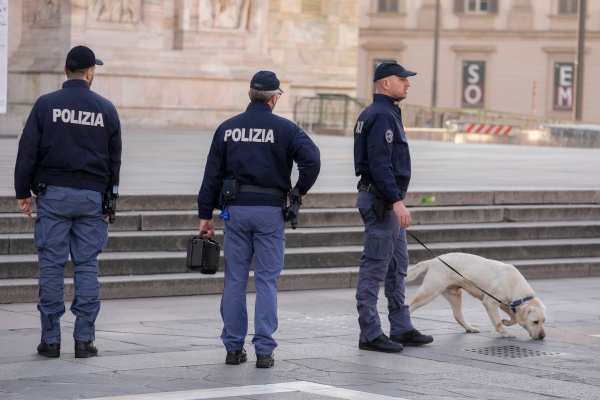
{"x":402,"y":214}
{"x":206,"y":225}
{"x":291,"y":193}
{"x":25,"y":206}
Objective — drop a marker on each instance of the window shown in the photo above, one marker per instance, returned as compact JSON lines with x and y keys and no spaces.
{"x":387,"y":6}
{"x":476,"y":6}
{"x":568,"y":6}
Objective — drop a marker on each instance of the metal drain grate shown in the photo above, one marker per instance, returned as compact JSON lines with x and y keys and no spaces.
{"x":509,"y":352}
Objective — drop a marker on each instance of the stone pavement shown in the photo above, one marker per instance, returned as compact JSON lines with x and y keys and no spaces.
{"x":170,"y":347}
{"x":162,"y":162}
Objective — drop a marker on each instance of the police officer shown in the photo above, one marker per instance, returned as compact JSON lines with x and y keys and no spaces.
{"x":69,"y":154}
{"x":251,"y":157}
{"x":382,"y":160}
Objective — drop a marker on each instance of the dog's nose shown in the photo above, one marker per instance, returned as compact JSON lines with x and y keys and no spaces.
{"x":542,"y":334}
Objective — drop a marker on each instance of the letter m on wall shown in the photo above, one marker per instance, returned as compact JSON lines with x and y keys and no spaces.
{"x":563,"y":85}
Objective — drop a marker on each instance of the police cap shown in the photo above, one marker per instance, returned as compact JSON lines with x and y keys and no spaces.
{"x":81,"y":57}
{"x":389,"y":68}
{"x":265,"y":81}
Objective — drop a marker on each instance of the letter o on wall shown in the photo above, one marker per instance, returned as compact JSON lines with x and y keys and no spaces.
{"x":473,"y":94}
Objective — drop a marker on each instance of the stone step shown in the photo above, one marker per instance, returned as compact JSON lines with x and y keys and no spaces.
{"x":345,"y":200}
{"x":158,"y":262}
{"x":186,"y":284}
{"x":123,"y":241}
{"x":339,"y":217}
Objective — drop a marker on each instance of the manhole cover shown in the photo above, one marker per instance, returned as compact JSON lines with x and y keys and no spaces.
{"x":510,"y":352}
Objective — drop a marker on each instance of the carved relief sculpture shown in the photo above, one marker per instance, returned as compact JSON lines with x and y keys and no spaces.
{"x":127,"y":11}
{"x":223,"y":14}
{"x":47,"y":11}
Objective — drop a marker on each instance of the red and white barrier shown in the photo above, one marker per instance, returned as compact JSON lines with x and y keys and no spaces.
{"x":458,"y":126}
{"x":490,"y":129}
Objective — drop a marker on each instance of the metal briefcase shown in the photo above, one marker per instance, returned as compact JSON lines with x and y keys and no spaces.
{"x":203,"y":255}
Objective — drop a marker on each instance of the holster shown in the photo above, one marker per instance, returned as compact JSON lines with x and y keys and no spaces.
{"x":203,"y":255}
{"x":39,"y":188}
{"x":380,"y":204}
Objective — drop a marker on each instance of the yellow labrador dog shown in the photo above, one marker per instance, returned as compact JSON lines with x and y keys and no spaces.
{"x":502,"y":281}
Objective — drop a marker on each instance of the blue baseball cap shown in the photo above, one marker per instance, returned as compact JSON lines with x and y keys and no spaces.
{"x":81,"y":57}
{"x":389,"y":68}
{"x":265,"y":81}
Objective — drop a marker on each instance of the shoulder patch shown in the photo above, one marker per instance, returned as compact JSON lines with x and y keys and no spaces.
{"x":389,"y":136}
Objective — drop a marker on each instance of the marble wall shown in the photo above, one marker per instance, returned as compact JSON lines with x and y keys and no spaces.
{"x":182,"y":63}
{"x":520,"y":44}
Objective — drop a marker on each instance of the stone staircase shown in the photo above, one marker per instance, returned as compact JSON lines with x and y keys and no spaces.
{"x":545,"y":234}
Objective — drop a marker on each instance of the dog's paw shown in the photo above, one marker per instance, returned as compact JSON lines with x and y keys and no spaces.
{"x":509,"y":335}
{"x":473,"y":330}
{"x":507,"y":322}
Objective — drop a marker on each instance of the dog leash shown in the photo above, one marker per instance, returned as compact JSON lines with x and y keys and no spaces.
{"x":433,"y":254}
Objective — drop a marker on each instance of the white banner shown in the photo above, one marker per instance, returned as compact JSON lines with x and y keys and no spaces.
{"x":3,"y":53}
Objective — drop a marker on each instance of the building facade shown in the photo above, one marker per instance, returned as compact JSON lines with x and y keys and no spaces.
{"x":181,"y":63}
{"x":513,"y":56}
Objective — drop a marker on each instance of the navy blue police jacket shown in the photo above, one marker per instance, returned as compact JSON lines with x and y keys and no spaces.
{"x":381,"y":155}
{"x":72,"y":138}
{"x":258,"y":148}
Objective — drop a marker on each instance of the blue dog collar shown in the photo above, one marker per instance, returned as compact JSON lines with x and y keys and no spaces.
{"x":514,"y":304}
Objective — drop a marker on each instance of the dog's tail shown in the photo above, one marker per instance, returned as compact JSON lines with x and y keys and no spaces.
{"x":416,"y":270}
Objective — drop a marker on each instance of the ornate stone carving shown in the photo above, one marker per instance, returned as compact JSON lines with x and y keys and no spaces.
{"x":47,"y":11}
{"x":223,"y":14}
{"x":126,"y":11}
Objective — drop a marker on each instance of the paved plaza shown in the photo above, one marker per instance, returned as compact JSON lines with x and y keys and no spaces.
{"x":162,"y":162}
{"x":169,"y":348}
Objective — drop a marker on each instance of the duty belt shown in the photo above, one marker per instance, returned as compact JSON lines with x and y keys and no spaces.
{"x":372,"y":189}
{"x":244,"y":188}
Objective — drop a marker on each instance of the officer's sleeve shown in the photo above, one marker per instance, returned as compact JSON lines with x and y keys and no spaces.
{"x":27,"y":156}
{"x":115,"y":147}
{"x":308,"y":158}
{"x":214,"y":172}
{"x":380,"y":157}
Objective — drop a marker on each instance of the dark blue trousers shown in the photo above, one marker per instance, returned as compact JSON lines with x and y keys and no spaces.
{"x":384,"y":258}
{"x":69,"y":221}
{"x":258,"y":231}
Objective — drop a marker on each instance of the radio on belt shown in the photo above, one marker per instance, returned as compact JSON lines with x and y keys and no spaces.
{"x":203,"y":254}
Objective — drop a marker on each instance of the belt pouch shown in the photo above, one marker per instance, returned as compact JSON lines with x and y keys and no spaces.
{"x":229,"y":191}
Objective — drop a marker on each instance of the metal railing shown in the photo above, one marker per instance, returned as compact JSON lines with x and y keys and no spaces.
{"x":570,"y":135}
{"x":339,"y":112}
{"x":328,"y":111}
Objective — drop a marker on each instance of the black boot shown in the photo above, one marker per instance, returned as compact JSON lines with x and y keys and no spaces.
{"x":412,"y":338}
{"x":382,"y":343}
{"x":49,"y":350}
{"x":236,"y":357}
{"x":265,"y":360}
{"x":85,"y":349}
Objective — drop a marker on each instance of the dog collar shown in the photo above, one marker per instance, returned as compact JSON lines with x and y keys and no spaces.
{"x":514,"y":304}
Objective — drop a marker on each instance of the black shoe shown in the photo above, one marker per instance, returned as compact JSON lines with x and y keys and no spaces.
{"x":265,"y":360}
{"x":49,"y":350}
{"x":412,"y":338}
{"x":85,"y":349}
{"x":236,"y":357}
{"x":382,"y":343}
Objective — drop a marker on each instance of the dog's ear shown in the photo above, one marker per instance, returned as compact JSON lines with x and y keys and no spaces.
{"x":523,"y":312}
